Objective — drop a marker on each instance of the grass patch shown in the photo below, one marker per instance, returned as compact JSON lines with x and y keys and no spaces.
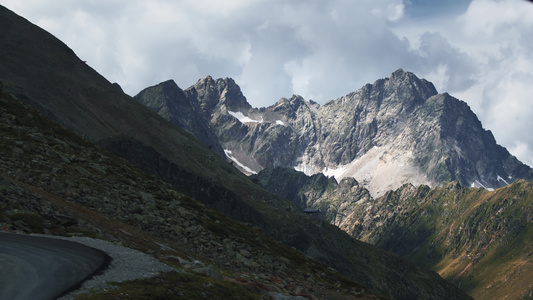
{"x":32,"y":221}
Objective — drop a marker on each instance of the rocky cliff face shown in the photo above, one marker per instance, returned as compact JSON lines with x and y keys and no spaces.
{"x":319,"y":195}
{"x":171,"y":102}
{"x":398,"y":130}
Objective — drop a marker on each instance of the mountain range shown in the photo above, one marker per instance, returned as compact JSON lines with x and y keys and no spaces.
{"x":162,"y":172}
{"x":398,"y":130}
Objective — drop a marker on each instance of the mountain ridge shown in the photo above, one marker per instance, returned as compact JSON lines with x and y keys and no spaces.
{"x":398,"y":130}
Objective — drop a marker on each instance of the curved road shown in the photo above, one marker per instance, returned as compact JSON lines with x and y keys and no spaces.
{"x":44,"y":268}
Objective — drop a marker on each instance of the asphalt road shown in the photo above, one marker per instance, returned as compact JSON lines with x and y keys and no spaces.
{"x":44,"y":268}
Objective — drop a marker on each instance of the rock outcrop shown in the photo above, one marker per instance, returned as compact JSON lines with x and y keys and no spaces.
{"x":171,"y":102}
{"x":316,"y":194}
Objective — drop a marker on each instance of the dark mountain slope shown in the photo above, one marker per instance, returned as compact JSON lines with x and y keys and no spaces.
{"x":334,"y":200}
{"x":42,"y":71}
{"x":170,"y":102}
{"x":456,"y":147}
{"x":65,"y":89}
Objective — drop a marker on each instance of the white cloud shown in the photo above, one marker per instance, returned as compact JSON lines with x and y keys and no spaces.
{"x":483,"y":57}
{"x":498,"y":35}
{"x":522,"y":149}
{"x":272,"y":48}
{"x":391,"y":11}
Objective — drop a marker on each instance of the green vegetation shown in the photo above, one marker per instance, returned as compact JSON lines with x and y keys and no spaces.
{"x":479,"y":240}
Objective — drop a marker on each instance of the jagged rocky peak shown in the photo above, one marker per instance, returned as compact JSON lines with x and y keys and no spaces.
{"x":294,"y":101}
{"x":469,"y":147}
{"x":399,"y":94}
{"x":173,"y":104}
{"x":297,"y":100}
{"x":204,"y":90}
{"x":401,"y":80}
{"x":162,"y":98}
{"x":165,"y":90}
{"x":382,"y":104}
{"x":232,"y":95}
{"x":212,"y":93}
{"x":170,"y":84}
{"x":403,"y":90}
{"x":289,"y":107}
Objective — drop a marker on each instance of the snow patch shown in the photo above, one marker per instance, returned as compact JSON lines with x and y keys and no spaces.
{"x":307,"y":169}
{"x":337,"y":173}
{"x":379,"y":170}
{"x":280,"y":122}
{"x":479,"y":184}
{"x":244,"y":119}
{"x":501,"y":179}
{"x":238,"y":163}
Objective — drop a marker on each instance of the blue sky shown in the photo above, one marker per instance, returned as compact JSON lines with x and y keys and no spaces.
{"x":422,"y":9}
{"x":478,"y":51}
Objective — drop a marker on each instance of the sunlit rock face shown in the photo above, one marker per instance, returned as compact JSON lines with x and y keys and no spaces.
{"x":397,"y":130}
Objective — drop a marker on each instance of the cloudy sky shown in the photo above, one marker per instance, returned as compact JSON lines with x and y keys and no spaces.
{"x":479,"y":51}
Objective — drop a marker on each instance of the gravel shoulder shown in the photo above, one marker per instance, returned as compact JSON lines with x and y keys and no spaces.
{"x":126,"y":264}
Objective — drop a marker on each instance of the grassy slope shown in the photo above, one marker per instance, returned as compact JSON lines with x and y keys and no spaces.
{"x":493,"y":258}
{"x":480,"y":240}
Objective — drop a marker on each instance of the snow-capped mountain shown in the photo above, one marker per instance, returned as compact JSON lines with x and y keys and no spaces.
{"x":395,"y":131}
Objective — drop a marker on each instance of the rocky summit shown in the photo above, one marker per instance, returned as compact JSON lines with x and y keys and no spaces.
{"x":397,"y":130}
